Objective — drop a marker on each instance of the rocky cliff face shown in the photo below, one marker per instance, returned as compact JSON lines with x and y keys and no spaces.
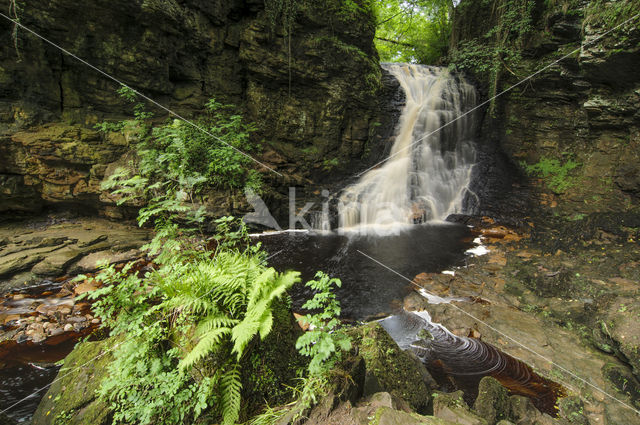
{"x":577,"y":121}
{"x":313,"y":91}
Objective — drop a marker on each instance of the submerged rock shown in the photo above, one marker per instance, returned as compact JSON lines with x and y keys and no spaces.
{"x":6,"y":420}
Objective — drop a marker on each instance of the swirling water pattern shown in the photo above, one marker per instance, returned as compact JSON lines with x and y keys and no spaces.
{"x":460,"y":362}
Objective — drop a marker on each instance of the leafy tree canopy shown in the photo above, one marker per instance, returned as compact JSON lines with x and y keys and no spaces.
{"x":415,"y":31}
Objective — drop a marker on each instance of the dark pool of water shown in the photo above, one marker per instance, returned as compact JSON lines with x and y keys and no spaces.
{"x":27,"y":368}
{"x":368,"y":289}
{"x":20,"y":381}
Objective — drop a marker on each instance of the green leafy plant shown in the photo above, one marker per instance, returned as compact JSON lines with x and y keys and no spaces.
{"x":499,"y":49}
{"x":609,"y":13}
{"x":555,"y":173}
{"x":269,"y":417}
{"x":415,"y":31}
{"x":185,"y":327}
{"x":325,"y":342}
{"x":178,"y":164}
{"x":330,"y":164}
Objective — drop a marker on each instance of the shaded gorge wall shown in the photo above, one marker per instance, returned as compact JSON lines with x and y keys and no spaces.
{"x":315,"y":91}
{"x":567,"y":140}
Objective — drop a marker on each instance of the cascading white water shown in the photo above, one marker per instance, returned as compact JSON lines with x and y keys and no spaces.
{"x":427,"y":174}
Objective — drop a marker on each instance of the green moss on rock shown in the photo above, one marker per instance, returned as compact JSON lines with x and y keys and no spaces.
{"x":492,"y":401}
{"x":72,"y":399}
{"x":451,"y":407}
{"x":390,"y":369}
{"x":269,"y":372}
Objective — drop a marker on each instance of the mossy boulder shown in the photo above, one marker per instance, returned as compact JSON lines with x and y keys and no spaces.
{"x":572,"y":410}
{"x":270,"y":369}
{"x":492,"y":402}
{"x":618,"y":328}
{"x":523,"y":412}
{"x":390,"y":369}
{"x":72,"y":396}
{"x":268,"y":373}
{"x":452,"y":407}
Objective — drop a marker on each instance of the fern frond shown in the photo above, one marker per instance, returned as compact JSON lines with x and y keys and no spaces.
{"x":213,"y":322}
{"x":234,"y":303}
{"x":282,"y":283}
{"x":258,"y":286}
{"x":198,"y":306}
{"x":244,"y":332}
{"x":266,"y":323}
{"x":230,"y":387}
{"x":204,"y":347}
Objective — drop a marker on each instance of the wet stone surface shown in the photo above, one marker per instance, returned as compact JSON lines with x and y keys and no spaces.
{"x":570,"y":299}
{"x":50,"y":247}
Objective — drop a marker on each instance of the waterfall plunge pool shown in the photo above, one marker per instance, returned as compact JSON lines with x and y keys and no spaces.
{"x":369,"y":290}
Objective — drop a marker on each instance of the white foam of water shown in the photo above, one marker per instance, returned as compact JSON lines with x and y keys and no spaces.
{"x":278,"y":232}
{"x":478,"y":250}
{"x":429,"y":171}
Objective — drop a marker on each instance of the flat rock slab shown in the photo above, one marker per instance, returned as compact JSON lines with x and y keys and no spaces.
{"x":54,"y":246}
{"x":91,"y":262}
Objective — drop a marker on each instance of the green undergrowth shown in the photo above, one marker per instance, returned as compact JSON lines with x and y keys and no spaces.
{"x":327,"y":340}
{"x":207,"y":333}
{"x":609,"y":13}
{"x":554,"y":172}
{"x":189,"y":322}
{"x":177,"y":165}
{"x":205,"y":326}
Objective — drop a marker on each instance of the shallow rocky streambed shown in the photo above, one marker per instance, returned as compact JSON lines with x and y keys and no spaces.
{"x":578,"y":347}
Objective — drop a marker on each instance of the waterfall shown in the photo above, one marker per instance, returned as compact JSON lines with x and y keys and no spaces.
{"x":427,"y":174}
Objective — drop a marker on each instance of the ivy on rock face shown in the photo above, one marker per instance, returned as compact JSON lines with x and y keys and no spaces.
{"x":499,"y":49}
